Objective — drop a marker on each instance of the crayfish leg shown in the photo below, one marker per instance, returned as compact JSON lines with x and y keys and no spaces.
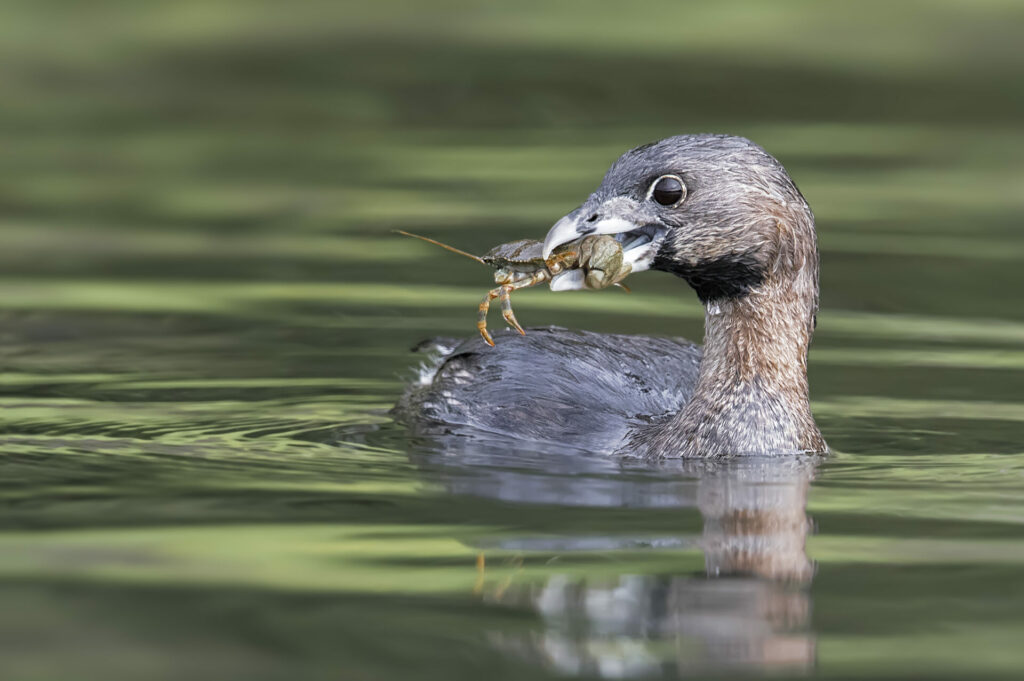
{"x":558,"y":260}
{"x":504,"y":292}
{"x":481,"y":320}
{"x":506,"y":309}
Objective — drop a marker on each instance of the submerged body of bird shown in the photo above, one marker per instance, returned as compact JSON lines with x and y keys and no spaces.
{"x":521,"y":264}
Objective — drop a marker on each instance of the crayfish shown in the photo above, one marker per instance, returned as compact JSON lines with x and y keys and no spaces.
{"x":520,"y":264}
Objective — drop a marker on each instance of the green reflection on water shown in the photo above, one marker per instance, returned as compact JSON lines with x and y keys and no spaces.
{"x":204,"y":317}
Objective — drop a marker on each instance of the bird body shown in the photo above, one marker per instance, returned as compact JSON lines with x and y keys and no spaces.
{"x":578,"y":389}
{"x":723,"y":215}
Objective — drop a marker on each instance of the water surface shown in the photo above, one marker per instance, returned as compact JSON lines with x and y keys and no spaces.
{"x":204,"y":318}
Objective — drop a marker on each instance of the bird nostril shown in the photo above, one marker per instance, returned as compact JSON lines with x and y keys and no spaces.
{"x":592,"y":218}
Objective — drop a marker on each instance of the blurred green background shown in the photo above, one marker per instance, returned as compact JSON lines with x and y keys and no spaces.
{"x":235,"y":142}
{"x":204,"y":316}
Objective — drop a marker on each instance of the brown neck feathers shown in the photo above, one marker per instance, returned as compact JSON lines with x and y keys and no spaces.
{"x":751,"y":396}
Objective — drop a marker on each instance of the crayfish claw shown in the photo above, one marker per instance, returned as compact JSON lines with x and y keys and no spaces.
{"x":486,"y":335}
{"x":511,"y":319}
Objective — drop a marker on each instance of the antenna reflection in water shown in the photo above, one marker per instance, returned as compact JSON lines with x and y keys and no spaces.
{"x":749,"y":609}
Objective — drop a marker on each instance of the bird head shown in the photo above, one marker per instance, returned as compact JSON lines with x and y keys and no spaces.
{"x":716,"y":210}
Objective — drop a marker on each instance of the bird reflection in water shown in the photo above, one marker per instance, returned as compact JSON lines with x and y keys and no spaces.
{"x":748,"y":610}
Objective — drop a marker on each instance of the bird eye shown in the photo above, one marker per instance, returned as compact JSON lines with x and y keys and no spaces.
{"x":668,"y":190}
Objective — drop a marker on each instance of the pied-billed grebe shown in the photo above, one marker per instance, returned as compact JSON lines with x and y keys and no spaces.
{"x":722,"y":214}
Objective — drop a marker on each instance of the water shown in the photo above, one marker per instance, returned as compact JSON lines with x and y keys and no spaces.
{"x":204,"y":319}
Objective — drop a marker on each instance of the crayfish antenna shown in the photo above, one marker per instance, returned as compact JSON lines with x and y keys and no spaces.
{"x":444,"y":246}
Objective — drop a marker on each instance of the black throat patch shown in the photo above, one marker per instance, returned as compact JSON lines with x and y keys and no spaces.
{"x":730,"y":276}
